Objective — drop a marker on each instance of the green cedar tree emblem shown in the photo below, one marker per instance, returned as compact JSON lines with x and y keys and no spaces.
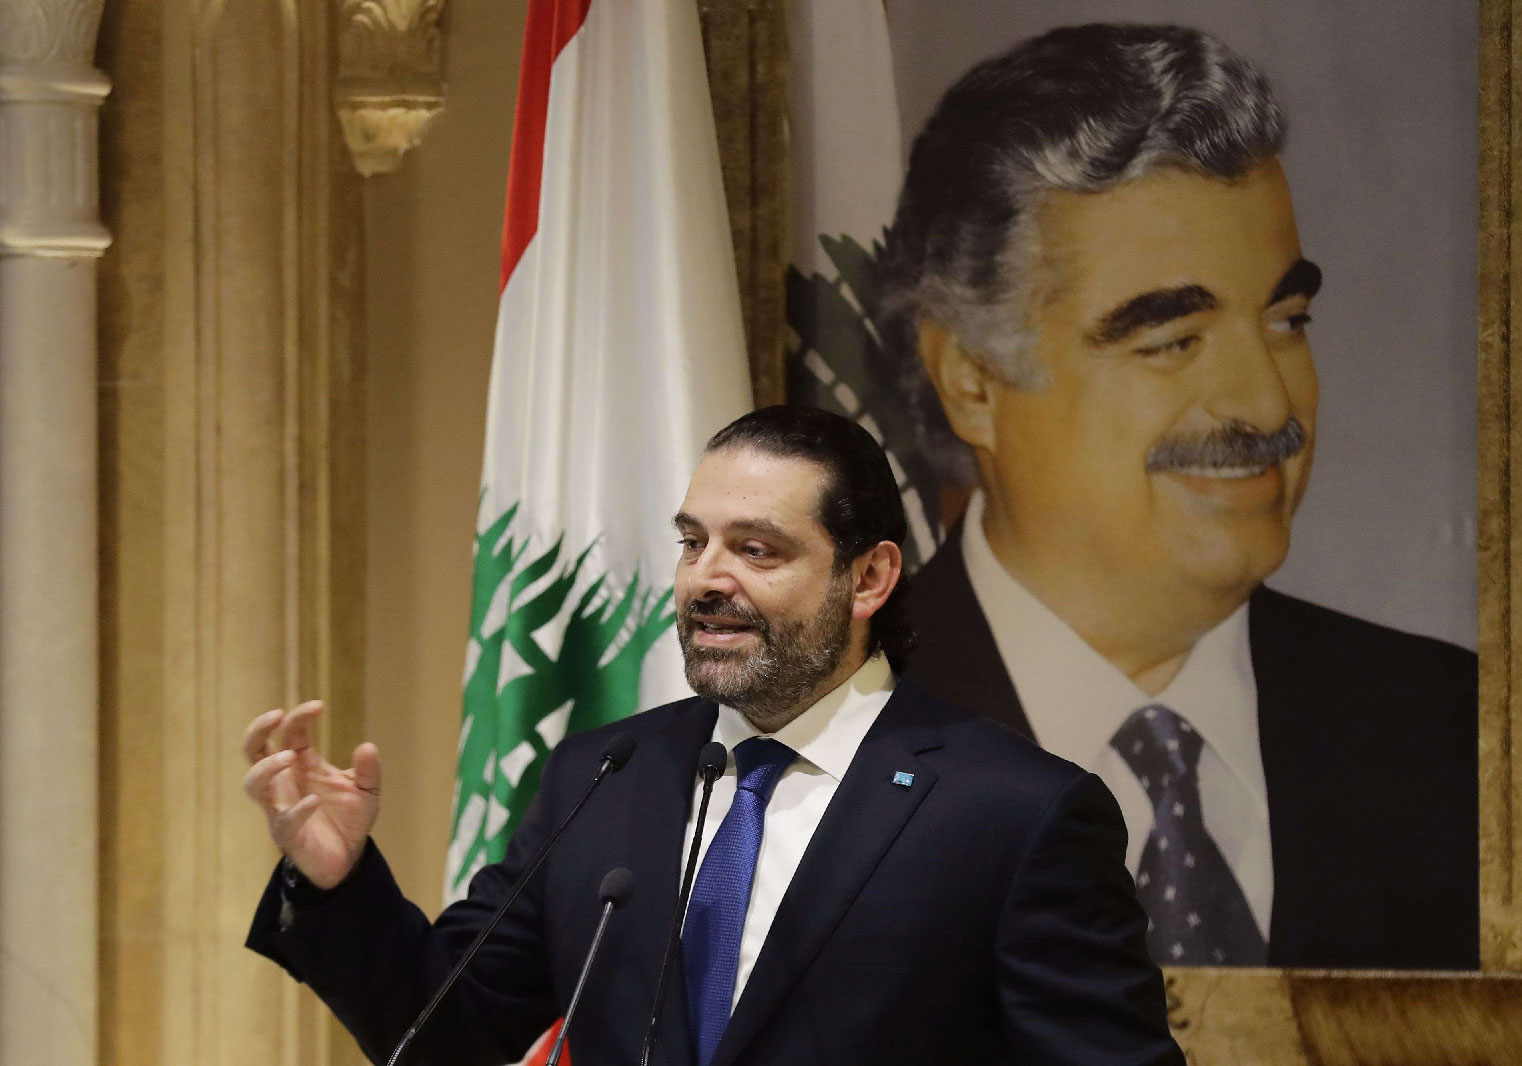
{"x":573,"y":644}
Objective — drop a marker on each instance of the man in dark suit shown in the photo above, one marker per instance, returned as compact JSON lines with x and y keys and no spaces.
{"x":1375,"y":855}
{"x":1096,"y":280}
{"x":886,"y":878}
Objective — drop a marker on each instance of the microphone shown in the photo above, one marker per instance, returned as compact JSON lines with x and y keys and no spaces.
{"x":615,"y":754}
{"x":618,"y":751}
{"x":711,"y":762}
{"x":617,"y":886}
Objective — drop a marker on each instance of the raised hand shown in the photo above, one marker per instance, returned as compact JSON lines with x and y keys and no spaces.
{"x":318,"y":815}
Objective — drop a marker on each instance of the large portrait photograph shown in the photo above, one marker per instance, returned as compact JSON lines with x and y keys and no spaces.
{"x":1166,"y":313}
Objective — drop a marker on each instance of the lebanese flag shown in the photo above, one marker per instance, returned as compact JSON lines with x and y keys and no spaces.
{"x":619,"y":351}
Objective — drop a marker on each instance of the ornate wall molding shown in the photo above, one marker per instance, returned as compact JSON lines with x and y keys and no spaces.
{"x":49,"y":97}
{"x":48,"y":32}
{"x":390,"y":78}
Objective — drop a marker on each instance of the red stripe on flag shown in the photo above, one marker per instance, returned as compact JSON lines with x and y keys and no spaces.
{"x":550,"y":27}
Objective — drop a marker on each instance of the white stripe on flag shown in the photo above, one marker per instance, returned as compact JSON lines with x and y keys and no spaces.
{"x":619,"y":350}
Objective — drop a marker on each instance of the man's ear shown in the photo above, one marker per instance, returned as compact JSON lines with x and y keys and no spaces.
{"x":961,"y":382}
{"x":875,"y":574}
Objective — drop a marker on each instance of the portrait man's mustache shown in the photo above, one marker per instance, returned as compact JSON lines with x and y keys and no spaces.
{"x":1234,"y":446}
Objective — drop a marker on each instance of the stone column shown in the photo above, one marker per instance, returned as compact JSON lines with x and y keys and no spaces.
{"x":50,"y":237}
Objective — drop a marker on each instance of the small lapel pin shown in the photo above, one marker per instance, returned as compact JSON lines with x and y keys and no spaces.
{"x":902,"y":779}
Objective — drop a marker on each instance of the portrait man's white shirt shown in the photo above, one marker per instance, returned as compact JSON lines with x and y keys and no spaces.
{"x":1075,"y":700}
{"x":825,"y":737}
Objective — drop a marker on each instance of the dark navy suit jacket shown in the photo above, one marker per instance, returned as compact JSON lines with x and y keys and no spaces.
{"x":981,"y":915}
{"x":1370,"y":741}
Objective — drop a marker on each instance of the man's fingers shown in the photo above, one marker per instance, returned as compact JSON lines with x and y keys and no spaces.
{"x":367,"y":767}
{"x":298,"y":725}
{"x":256,"y":737}
{"x":259,"y":782}
{"x":288,"y":821}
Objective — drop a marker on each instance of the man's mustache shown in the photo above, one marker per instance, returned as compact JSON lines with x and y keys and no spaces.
{"x":726,"y":609}
{"x":1233,"y":445}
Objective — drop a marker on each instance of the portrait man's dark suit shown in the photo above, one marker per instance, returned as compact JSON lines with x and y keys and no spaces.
{"x":1370,"y":752}
{"x":979,"y":914}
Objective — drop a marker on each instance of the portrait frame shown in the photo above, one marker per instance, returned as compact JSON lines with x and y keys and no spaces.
{"x":1273,"y":1017}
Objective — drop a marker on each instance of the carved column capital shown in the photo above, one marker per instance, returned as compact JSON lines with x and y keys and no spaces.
{"x":390,"y":78}
{"x":49,"y":94}
{"x":48,"y":32}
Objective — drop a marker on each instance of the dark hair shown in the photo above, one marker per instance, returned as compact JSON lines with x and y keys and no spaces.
{"x":1083,"y":109}
{"x":859,"y":504}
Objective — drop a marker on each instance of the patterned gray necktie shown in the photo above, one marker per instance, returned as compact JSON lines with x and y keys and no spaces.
{"x":1198,"y":914}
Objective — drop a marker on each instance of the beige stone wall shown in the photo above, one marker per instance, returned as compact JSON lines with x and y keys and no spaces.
{"x":246,"y":519}
{"x":237,"y":547}
{"x":231,"y":365}
{"x":433,"y":234}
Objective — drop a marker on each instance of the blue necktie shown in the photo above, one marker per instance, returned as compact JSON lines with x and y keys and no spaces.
{"x":721,"y":894}
{"x":1197,"y":913}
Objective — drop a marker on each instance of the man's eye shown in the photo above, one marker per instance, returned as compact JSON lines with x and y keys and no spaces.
{"x":688,"y":544}
{"x":756,"y":551}
{"x":1291,"y":323}
{"x":1181,"y":344}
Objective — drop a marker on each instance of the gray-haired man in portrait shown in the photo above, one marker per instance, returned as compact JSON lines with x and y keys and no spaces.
{"x":1095,"y":281}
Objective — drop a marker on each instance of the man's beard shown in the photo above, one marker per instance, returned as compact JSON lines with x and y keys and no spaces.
{"x":765,"y":683}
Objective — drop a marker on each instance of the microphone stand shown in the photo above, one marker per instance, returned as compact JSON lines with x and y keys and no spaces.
{"x":614,"y":756}
{"x":711,"y":763}
{"x":617,"y":887}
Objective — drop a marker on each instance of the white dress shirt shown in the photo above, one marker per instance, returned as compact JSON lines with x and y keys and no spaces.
{"x":825,"y":737}
{"x":1076,"y":699}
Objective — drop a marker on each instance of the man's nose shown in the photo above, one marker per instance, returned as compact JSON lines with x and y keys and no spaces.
{"x":712,"y":574}
{"x":1247,"y":385}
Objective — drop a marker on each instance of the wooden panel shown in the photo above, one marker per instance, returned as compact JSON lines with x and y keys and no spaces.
{"x":745,"y":44}
{"x":1409,"y":1020}
{"x":131,"y":514}
{"x":1234,"y":1016}
{"x":1500,"y":909}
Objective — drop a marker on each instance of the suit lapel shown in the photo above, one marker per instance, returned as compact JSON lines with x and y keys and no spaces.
{"x":864,"y":817}
{"x":663,"y":795}
{"x":1291,"y":711}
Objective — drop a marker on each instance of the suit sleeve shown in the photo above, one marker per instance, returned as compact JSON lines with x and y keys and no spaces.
{"x":1076,"y":985}
{"x":375,"y":960}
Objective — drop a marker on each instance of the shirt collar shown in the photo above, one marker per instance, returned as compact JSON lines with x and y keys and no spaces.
{"x":1075,"y":698}
{"x":829,"y":732}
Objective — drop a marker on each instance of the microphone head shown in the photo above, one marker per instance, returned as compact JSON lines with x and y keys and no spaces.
{"x":617,"y":886}
{"x":618,"y":750}
{"x":712,"y":759}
